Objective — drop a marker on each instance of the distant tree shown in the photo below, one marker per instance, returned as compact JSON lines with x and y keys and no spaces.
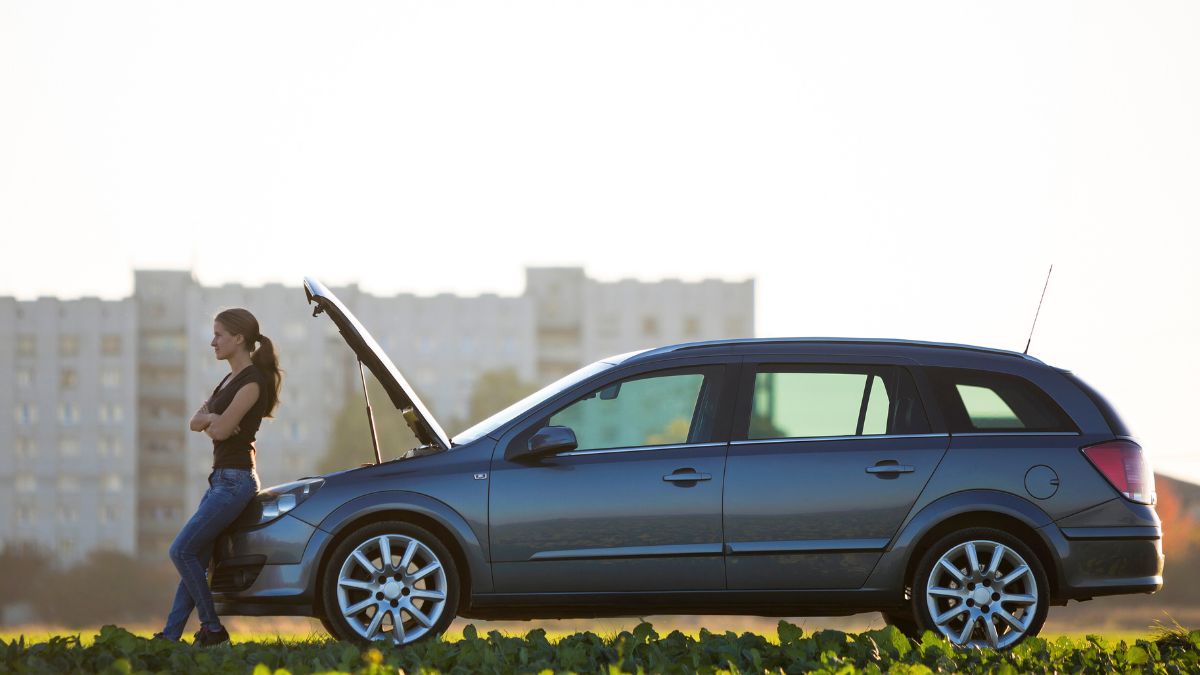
{"x":107,"y":587}
{"x":25,"y":565}
{"x":495,"y":390}
{"x":349,"y":442}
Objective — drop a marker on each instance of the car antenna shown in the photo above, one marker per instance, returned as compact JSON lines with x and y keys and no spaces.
{"x":362,"y":375}
{"x":1039,"y":309}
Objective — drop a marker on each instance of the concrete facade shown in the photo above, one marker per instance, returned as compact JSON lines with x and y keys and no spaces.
{"x":68,"y":460}
{"x":95,"y":451}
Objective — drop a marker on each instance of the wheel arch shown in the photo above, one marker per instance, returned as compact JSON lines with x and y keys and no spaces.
{"x":971,"y":508}
{"x":420,"y":510}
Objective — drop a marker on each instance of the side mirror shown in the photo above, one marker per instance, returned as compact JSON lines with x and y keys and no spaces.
{"x":551,"y":440}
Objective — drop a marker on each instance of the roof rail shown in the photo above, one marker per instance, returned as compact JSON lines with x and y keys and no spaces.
{"x":837,"y":340}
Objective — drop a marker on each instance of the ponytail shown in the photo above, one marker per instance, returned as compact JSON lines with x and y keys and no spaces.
{"x":264,"y":359}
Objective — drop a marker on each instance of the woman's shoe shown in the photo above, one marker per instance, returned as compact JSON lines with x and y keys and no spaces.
{"x":208,"y":638}
{"x":162,"y":636}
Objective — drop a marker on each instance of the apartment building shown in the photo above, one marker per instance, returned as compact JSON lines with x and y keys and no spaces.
{"x":68,"y":452}
{"x":96,"y":452}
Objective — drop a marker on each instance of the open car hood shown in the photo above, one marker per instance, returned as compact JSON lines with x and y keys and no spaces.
{"x":423,"y":426}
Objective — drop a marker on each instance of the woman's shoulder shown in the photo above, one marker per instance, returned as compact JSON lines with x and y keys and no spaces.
{"x":256,"y":375}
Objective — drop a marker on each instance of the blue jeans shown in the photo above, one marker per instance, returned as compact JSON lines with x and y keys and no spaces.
{"x":229,"y":491}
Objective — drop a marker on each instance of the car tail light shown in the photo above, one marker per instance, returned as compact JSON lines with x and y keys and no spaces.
{"x":1124,"y":464}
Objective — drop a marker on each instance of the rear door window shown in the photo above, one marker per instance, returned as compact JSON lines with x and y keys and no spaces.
{"x":983,"y":401}
{"x":815,"y":401}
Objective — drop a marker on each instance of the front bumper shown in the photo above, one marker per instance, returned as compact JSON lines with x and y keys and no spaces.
{"x":268,"y":570}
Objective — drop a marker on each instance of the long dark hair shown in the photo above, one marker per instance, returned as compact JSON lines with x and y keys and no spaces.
{"x":241,"y":322}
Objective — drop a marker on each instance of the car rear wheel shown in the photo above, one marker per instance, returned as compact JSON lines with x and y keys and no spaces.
{"x":980,"y":587}
{"x":904,"y":621}
{"x":390,"y":581}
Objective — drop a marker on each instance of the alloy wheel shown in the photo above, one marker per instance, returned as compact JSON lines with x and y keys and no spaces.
{"x":982,"y":593}
{"x":392,"y":587}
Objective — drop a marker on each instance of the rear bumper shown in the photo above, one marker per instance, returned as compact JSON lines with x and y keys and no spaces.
{"x":1110,"y":561}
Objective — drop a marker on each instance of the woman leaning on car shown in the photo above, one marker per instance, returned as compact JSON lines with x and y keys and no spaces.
{"x":231,"y":417}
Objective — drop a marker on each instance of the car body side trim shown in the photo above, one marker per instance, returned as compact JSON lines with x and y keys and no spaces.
{"x":672,"y":550}
{"x":1016,"y":433}
{"x":811,"y":439}
{"x":1127,"y":532}
{"x":805,"y":546}
{"x":641,"y":448}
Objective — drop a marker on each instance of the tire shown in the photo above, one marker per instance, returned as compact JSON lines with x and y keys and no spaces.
{"x":328,"y":626}
{"x":364,"y":605}
{"x":997,"y":604}
{"x":904,"y":621}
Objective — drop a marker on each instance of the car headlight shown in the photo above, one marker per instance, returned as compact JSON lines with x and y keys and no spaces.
{"x":279,"y":499}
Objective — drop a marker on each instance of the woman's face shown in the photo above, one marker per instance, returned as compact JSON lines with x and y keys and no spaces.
{"x":224,"y":343}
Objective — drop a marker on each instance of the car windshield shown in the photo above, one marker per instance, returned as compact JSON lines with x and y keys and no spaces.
{"x":492,"y":423}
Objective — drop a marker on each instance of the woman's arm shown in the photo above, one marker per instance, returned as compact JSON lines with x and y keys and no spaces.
{"x":201,"y":419}
{"x":226,"y":424}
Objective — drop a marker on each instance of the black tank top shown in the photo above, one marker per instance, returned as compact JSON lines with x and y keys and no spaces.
{"x":237,"y":451}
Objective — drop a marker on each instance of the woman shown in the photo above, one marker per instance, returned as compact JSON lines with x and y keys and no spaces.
{"x":230,"y":417}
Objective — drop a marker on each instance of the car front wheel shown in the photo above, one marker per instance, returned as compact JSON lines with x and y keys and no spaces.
{"x":390,"y":581}
{"x":980,"y":587}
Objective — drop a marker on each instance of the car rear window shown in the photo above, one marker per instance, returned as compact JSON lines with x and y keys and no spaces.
{"x":813,"y":401}
{"x":983,"y":401}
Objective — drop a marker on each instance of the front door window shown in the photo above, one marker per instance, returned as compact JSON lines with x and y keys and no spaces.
{"x":661,"y":409}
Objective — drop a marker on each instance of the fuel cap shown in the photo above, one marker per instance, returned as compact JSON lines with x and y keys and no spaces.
{"x":1041,"y":482}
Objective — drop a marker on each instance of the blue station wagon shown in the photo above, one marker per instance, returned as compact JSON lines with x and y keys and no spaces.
{"x":956,"y":489}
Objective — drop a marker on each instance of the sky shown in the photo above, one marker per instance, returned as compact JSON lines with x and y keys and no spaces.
{"x":880,"y":169}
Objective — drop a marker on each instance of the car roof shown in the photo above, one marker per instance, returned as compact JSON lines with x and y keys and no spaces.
{"x":752,"y":345}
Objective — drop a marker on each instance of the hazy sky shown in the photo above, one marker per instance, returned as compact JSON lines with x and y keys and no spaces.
{"x":880,"y":168}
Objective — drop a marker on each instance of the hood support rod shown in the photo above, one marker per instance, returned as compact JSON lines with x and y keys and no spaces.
{"x":362,"y":375}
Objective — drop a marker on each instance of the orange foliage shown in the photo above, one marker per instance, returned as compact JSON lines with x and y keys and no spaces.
{"x":1180,"y":530}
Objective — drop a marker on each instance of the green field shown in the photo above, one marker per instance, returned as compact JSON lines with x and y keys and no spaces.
{"x":788,"y":649}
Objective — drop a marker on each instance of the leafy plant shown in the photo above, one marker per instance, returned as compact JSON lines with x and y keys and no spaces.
{"x":115,"y":650}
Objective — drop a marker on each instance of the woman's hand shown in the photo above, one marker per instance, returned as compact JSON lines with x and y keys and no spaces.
{"x":229,"y":422}
{"x":202,"y":419}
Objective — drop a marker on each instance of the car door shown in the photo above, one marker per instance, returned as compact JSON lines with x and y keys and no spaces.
{"x":826,"y":460}
{"x":636,"y":506}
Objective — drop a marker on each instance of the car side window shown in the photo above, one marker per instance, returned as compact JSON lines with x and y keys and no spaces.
{"x":983,"y":401}
{"x":819,"y":401}
{"x":657,"y":409}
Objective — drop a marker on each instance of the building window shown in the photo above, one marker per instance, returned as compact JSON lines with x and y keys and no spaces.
{"x":68,"y":414}
{"x":25,"y":482}
{"x":106,"y":447}
{"x":68,"y":446}
{"x":691,"y":327}
{"x":26,"y":514}
{"x":108,"y":514}
{"x":68,"y":484}
{"x":112,"y":482}
{"x":110,"y":345}
{"x":68,"y":345}
{"x":26,"y":345}
{"x":25,"y":414}
{"x":66,"y":547}
{"x":650,"y":326}
{"x":735,"y":326}
{"x":110,"y":378}
{"x":24,"y":377}
{"x":67,"y":514}
{"x":110,"y":413}
{"x":24,"y":447}
{"x":68,"y":379}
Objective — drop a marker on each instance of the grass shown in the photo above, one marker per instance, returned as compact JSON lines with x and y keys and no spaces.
{"x":87,"y":635}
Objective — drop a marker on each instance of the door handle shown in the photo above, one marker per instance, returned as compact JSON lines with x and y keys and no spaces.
{"x":688,"y":477}
{"x":890,"y":468}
